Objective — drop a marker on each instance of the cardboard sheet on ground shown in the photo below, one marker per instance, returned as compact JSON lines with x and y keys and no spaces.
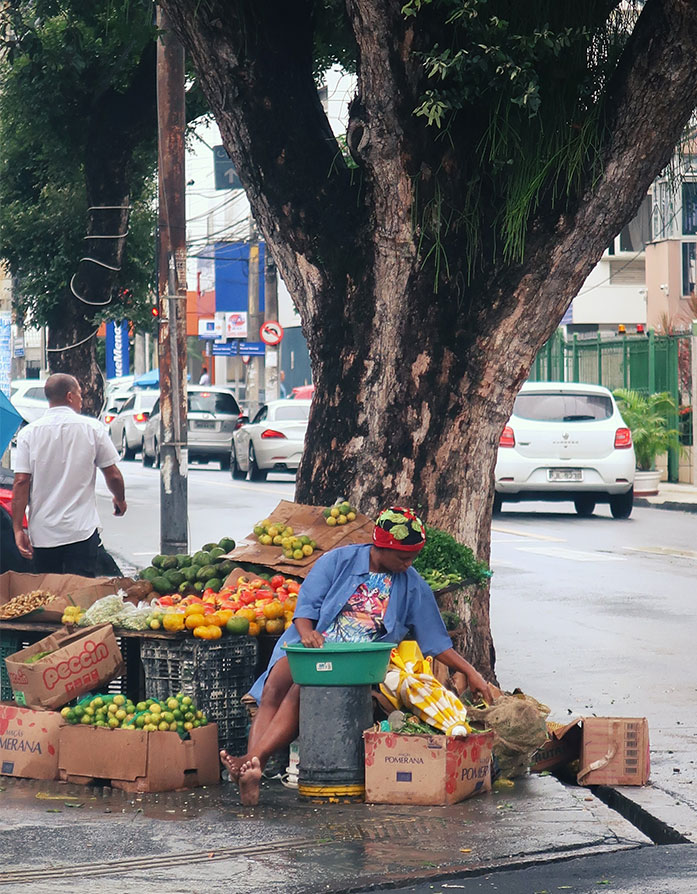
{"x":304,"y":520}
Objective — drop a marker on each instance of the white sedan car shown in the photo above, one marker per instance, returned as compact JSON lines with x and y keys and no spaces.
{"x":272,"y":441}
{"x":566,"y":441}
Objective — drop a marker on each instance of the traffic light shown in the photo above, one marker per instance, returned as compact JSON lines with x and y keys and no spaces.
{"x":155,"y":312}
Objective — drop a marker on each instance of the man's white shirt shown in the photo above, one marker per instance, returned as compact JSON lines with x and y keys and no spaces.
{"x":62,"y":452}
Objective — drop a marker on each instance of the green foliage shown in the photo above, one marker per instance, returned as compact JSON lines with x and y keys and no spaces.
{"x":647,"y":418}
{"x":519,"y":89}
{"x":444,"y":554}
{"x":60,"y":61}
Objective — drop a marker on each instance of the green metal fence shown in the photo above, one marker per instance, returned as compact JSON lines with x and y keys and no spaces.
{"x":645,"y":363}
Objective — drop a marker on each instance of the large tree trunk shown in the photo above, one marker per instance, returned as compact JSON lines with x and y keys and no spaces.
{"x":416,"y":359}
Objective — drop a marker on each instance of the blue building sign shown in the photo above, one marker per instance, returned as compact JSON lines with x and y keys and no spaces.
{"x":232,"y":276}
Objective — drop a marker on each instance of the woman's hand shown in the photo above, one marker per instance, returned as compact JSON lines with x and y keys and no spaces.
{"x":309,"y":637}
{"x":312,"y":640}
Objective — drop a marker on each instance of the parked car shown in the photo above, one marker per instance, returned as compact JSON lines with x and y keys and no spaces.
{"x":113,"y":403}
{"x":28,"y":398}
{"x":213,"y":414}
{"x":272,"y":441}
{"x":127,"y":427}
{"x":566,"y":441}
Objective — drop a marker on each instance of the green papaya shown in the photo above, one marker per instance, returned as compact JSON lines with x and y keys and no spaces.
{"x":224,"y":568}
{"x":183,"y":560}
{"x":162,"y":585}
{"x":206,"y":572}
{"x":226,"y":543}
{"x":198,"y":586}
{"x":169,"y":562}
{"x":215,"y":552}
{"x":213,"y":584}
{"x":174,"y":577}
{"x":150,"y":573}
{"x":190,"y":573}
{"x":201,"y":558}
{"x":156,"y":560}
{"x":184,"y":588}
{"x":208,"y":546}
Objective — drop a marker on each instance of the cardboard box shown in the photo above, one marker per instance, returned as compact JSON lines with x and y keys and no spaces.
{"x":614,"y":751}
{"x":71,"y":589}
{"x":79,"y":662}
{"x":29,"y":742}
{"x":610,"y":750}
{"x":426,"y":769}
{"x":304,"y":520}
{"x":138,"y":761}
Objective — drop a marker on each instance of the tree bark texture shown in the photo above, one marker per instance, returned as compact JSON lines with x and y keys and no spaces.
{"x":116,"y":125}
{"x":416,"y":359}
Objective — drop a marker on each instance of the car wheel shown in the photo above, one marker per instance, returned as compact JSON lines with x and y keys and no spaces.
{"x":622,"y":504}
{"x":145,"y":457}
{"x":225,"y":463}
{"x":156,"y":456}
{"x":585,"y":506}
{"x":125,"y":452}
{"x":255,"y":473}
{"x":237,"y":473}
{"x":498,"y":503}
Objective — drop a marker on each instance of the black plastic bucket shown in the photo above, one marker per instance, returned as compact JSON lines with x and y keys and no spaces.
{"x":332,"y":722}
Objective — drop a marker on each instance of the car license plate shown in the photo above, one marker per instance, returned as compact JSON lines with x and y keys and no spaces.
{"x":564,"y":474}
{"x":199,"y":424}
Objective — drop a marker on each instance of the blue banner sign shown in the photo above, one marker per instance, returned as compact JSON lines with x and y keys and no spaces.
{"x":117,"y":352}
{"x":241,"y":348}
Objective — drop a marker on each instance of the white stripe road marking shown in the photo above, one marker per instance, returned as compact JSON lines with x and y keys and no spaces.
{"x":574,"y":555}
{"x":516,"y":533}
{"x":664,"y":551}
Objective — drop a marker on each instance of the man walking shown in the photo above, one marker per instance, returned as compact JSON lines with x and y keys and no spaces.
{"x":55,"y":470}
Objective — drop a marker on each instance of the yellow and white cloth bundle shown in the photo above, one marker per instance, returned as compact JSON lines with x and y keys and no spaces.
{"x":409,"y":684}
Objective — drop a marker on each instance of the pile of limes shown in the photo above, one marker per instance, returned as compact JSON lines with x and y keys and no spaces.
{"x":177,"y":714}
{"x":294,"y":546}
{"x":339,"y":514}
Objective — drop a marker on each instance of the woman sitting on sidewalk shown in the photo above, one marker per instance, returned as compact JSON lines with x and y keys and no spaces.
{"x":353,"y":594}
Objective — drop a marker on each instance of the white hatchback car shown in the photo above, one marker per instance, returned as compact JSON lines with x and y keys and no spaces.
{"x":272,"y":442}
{"x":28,"y":398}
{"x":566,"y":441}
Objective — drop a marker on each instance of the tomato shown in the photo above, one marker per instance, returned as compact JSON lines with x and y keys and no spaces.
{"x":277,"y":581}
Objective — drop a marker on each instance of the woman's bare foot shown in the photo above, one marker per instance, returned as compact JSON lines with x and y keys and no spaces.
{"x":232,"y":764}
{"x":250,"y":782}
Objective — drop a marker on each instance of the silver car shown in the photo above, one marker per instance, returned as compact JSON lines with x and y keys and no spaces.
{"x":272,"y":441}
{"x":213,"y":414}
{"x":127,"y":427}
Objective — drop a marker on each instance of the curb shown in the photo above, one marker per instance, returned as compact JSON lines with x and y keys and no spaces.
{"x":668,"y":504}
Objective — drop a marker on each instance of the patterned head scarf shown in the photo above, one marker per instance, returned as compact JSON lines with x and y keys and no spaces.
{"x":399,"y":528}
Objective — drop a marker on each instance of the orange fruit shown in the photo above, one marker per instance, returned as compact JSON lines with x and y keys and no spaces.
{"x":202,"y":631}
{"x":195,"y":620}
{"x":214,"y":632}
{"x":275,"y":626}
{"x":254,"y":629}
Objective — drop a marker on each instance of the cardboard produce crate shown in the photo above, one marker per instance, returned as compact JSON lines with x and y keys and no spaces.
{"x":610,"y":750}
{"x":78,"y":663}
{"x":29,"y":742}
{"x":426,"y":769}
{"x":138,"y":761}
{"x":71,"y":589}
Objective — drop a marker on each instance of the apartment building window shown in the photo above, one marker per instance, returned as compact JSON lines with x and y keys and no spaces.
{"x":663,"y":216}
{"x":689,"y":267}
{"x":689,"y":209}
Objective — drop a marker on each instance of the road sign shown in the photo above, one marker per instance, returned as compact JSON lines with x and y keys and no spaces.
{"x":224,"y":170}
{"x":271,"y":332}
{"x":239,"y":348}
{"x":210,"y":328}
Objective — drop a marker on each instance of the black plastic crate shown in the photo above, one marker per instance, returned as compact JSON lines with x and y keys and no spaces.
{"x":216,"y":674}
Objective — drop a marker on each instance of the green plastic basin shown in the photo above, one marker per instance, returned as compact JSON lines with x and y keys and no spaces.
{"x":339,"y":664}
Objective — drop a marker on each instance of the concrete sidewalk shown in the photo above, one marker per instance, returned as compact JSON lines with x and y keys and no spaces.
{"x":56,"y":837}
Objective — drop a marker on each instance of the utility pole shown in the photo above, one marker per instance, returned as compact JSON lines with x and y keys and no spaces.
{"x":172,"y":290}
{"x":253,"y":319}
{"x":271,"y":365}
